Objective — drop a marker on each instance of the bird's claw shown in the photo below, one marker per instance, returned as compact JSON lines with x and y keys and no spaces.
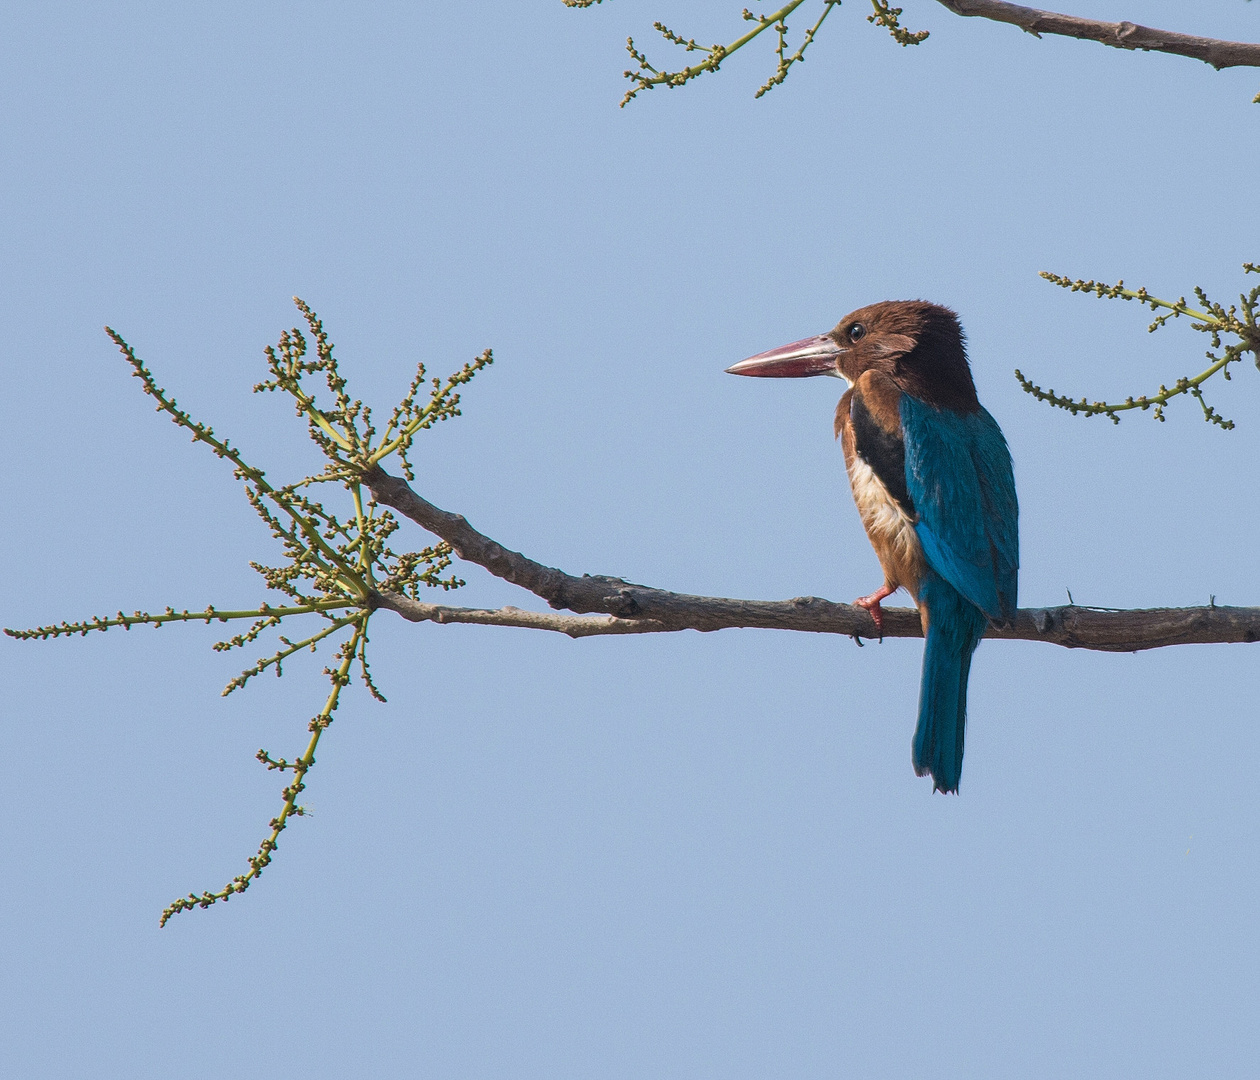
{"x":871,"y":603}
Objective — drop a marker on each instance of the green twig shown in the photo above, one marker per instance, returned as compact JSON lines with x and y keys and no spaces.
{"x":144,"y":618}
{"x":646,"y":77}
{"x":290,"y":808}
{"x":786,"y":62}
{"x":290,"y":647}
{"x":1211,"y":318}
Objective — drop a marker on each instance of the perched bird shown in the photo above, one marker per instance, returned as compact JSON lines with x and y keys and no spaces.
{"x":931,"y":476}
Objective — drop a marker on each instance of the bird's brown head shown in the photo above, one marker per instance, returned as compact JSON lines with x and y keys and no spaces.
{"x":918,"y":345}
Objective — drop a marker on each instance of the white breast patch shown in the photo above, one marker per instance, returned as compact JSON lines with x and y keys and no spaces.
{"x":883,"y":516}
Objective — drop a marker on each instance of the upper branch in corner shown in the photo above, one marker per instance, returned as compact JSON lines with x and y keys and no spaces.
{"x":1119,"y":35}
{"x":1216,"y":320}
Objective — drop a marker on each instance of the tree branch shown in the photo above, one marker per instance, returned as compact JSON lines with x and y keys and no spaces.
{"x":1119,"y":35}
{"x":609,"y":605}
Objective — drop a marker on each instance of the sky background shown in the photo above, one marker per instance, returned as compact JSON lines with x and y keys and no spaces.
{"x":676,"y":856}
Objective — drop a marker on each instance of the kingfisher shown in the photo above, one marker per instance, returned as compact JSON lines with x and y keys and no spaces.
{"x":932,"y":479}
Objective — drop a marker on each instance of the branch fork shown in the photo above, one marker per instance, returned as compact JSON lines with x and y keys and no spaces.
{"x":627,"y":608}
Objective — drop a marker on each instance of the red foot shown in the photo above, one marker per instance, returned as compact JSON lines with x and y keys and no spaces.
{"x":871,"y":603}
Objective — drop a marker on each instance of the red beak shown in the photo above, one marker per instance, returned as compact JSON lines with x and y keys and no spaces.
{"x":810,"y":356}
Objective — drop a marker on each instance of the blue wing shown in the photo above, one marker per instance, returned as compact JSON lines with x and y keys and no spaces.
{"x":958,"y":472}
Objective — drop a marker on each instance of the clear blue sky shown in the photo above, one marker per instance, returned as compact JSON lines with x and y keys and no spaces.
{"x":678,"y":856}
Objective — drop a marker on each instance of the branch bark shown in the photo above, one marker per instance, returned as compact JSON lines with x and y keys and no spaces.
{"x":610,"y":605}
{"x":1119,"y":35}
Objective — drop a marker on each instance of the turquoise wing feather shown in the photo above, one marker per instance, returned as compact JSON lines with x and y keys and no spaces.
{"x":959,"y":474}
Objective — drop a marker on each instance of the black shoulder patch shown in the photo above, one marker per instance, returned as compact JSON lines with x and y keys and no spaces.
{"x":884,"y":452}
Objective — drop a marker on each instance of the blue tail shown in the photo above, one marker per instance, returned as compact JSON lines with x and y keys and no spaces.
{"x":955,"y":627}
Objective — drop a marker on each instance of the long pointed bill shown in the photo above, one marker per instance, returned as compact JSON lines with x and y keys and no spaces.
{"x":810,"y":356}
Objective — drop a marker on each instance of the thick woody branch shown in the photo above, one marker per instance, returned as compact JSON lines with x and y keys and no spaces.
{"x":1119,"y":35}
{"x":608,"y":605}
{"x":1073,"y":627}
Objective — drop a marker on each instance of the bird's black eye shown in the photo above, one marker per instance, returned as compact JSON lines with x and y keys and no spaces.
{"x":857,"y":332}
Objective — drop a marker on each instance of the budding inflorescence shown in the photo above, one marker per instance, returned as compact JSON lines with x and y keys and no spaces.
{"x":889,"y":17}
{"x":335,"y":567}
{"x":644,"y":76}
{"x":1218,"y":322}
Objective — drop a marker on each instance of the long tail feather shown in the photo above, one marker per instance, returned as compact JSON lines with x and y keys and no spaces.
{"x":955,"y":627}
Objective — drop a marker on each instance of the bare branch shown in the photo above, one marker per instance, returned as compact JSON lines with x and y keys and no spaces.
{"x":576,"y":626}
{"x":627,"y":608}
{"x":1119,"y":35}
